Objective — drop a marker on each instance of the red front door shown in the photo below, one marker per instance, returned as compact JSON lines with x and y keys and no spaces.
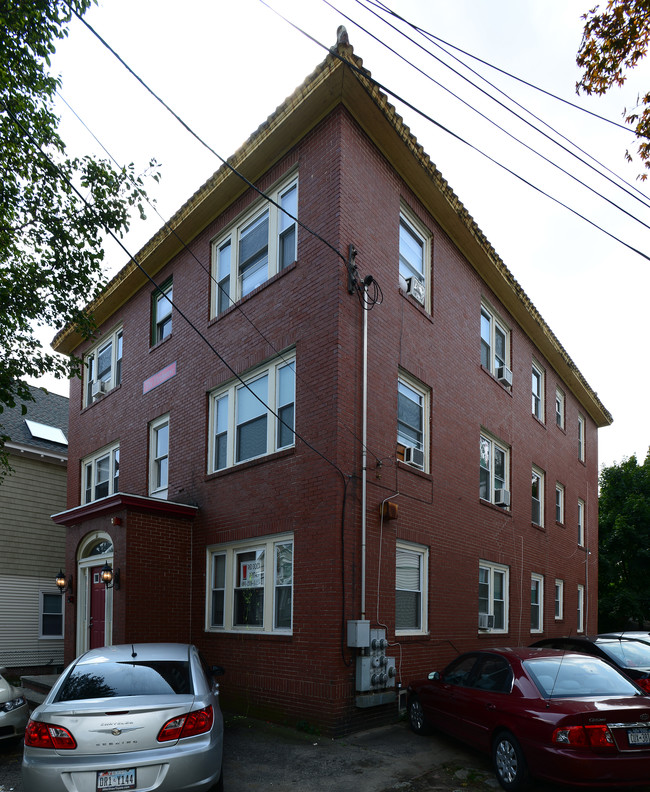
{"x":97,"y":608}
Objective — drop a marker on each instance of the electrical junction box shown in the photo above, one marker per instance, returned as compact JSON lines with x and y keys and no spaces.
{"x":359,"y":633}
{"x":374,"y":671}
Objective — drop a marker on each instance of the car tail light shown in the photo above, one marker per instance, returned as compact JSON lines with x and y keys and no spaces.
{"x":48,"y":735}
{"x":644,"y":683}
{"x":187,"y":725}
{"x":598,"y":736}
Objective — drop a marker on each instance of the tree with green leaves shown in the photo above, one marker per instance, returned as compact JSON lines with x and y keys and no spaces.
{"x":624,"y":545}
{"x":55,"y":211}
{"x":614,"y":41}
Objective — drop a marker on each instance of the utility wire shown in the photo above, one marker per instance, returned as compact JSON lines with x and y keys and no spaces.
{"x":365,"y":75}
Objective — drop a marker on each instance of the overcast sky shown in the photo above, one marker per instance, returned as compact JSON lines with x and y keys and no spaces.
{"x":225,"y":66}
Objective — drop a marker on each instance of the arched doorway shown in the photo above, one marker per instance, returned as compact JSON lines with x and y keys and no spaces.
{"x":95,"y":601}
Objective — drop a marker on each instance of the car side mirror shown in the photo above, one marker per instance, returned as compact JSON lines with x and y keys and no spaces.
{"x":434,"y":676}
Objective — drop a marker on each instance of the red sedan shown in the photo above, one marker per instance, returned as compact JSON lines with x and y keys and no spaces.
{"x":562,"y":717}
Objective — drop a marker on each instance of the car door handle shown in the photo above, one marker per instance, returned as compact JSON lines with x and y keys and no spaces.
{"x":490,"y":706}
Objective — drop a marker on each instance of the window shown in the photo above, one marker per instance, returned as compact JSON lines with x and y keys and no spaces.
{"x":538,"y":392}
{"x":261,"y":244}
{"x":412,"y":423}
{"x":559,"y":408}
{"x":581,"y":608}
{"x":159,"y":457}
{"x":536,"y":603}
{"x":101,"y":473}
{"x":559,"y":599}
{"x":537,"y":497}
{"x":411,"y":564}
{"x":103,"y":367}
{"x":495,"y":342}
{"x":581,"y":522}
{"x":493,"y":595}
{"x":493,"y":469}
{"x":414,"y":255}
{"x":559,"y":503}
{"x":581,"y":438}
{"x":251,"y":585}
{"x":161,"y":312}
{"x":51,"y":615}
{"x":243,"y":416}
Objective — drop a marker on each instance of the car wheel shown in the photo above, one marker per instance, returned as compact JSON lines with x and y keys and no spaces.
{"x":509,"y":763}
{"x":417,"y":721}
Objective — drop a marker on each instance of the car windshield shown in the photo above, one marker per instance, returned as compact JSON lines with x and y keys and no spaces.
{"x":110,"y":679}
{"x":629,"y":654}
{"x":568,"y":676}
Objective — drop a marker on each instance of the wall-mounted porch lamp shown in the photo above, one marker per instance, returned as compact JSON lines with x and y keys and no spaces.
{"x":110,"y":578}
{"x":62,"y":584}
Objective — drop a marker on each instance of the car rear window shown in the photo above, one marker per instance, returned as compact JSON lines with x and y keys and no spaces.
{"x":141,"y":678}
{"x":577,"y":677}
{"x":629,"y":654}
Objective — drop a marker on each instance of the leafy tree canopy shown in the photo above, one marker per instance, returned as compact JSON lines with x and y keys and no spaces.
{"x":51,"y":238}
{"x":624,"y":545}
{"x":614,"y":41}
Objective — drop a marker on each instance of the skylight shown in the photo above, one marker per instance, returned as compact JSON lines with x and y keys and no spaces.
{"x":46,"y":432}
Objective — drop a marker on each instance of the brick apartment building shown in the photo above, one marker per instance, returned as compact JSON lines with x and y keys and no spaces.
{"x":217,"y":463}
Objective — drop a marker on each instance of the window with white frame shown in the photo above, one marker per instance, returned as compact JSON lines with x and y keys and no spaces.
{"x":559,"y":599}
{"x":493,"y":581}
{"x":255,"y":417}
{"x":495,"y":342}
{"x":538,"y":391}
{"x":411,"y":565}
{"x":100,"y":474}
{"x":559,"y":408}
{"x":51,"y":615}
{"x":414,"y":255}
{"x":581,"y":438}
{"x":159,"y":457}
{"x":536,"y":603}
{"x":559,"y":502}
{"x":412,"y":421}
{"x":103,"y":367}
{"x":537,"y":488}
{"x":251,"y":585}
{"x":581,"y":522}
{"x":581,"y":608}
{"x":161,"y":312}
{"x":260,"y":244}
{"x":493,"y":470}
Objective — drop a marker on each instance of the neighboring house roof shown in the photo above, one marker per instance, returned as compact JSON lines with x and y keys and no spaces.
{"x":43,"y":428}
{"x":341,"y":79}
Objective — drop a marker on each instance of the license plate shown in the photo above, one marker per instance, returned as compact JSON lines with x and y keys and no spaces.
{"x":638,"y":736}
{"x":116,"y":779}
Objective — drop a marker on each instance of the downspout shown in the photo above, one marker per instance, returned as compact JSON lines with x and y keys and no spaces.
{"x":364,"y":438}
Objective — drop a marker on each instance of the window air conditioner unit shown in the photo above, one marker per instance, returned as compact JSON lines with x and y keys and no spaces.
{"x":98,"y":389}
{"x":485,"y":621}
{"x":414,"y":457}
{"x":504,"y":375}
{"x":415,"y":288}
{"x":502,"y":497}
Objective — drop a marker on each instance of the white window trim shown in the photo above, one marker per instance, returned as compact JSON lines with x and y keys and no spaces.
{"x":581,"y":438}
{"x":581,"y":609}
{"x":540,"y":474}
{"x":423,"y":235}
{"x":231,"y":390}
{"x":537,"y":400}
{"x":560,"y":409}
{"x":114,"y":379}
{"x":91,"y":460}
{"x":230,"y":551}
{"x":559,"y":503}
{"x":163,"y":295}
{"x":154,"y":426}
{"x":492,"y":568}
{"x":495,"y":321}
{"x":539,"y":579}
{"x":233,"y":234}
{"x":425,"y":393}
{"x":41,"y":613}
{"x":581,"y":522}
{"x":423,"y":553}
{"x":558,"y":603}
{"x":494,"y":443}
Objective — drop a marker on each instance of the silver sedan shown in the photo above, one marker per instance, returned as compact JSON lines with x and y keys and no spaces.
{"x":136,"y":716}
{"x":14,"y":712}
